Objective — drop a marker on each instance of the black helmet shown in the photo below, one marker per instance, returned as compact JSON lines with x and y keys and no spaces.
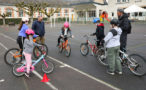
{"x":114,"y":21}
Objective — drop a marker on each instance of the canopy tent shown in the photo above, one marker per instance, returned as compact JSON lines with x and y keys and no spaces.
{"x":134,"y":8}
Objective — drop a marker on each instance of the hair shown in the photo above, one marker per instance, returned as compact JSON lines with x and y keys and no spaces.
{"x":20,"y":25}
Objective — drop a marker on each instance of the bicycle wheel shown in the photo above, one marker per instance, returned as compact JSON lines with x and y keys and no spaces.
{"x":68,"y":50}
{"x":60,"y":48}
{"x":84,"y":49}
{"x":39,"y":50}
{"x":101,"y":57}
{"x":47,"y":66}
{"x":12,"y":56}
{"x":137,"y":64}
{"x":15,"y":72}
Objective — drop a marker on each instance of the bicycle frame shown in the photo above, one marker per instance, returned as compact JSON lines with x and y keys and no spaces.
{"x":22,"y":68}
{"x":93,"y":47}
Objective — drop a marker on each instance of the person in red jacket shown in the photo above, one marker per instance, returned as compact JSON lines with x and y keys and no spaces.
{"x":99,"y":31}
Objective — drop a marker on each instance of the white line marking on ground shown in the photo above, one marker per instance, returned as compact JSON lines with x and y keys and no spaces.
{"x":36,"y":73}
{"x":8,"y":37}
{"x":89,"y":76}
{"x":48,"y":83}
{"x":83,"y":73}
{"x":2,"y":80}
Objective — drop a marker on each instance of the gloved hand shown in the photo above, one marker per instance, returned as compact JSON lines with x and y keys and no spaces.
{"x":102,"y":43}
{"x":91,"y":35}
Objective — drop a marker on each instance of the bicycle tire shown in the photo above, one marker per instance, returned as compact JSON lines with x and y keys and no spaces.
{"x":60,"y":48}
{"x":38,"y":51}
{"x":12,"y":60}
{"x":84,"y":47}
{"x":48,"y":69}
{"x":101,"y":57}
{"x":68,"y":50}
{"x":135,"y":68}
{"x":14,"y":70}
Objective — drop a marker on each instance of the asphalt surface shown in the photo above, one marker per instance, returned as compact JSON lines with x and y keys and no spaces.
{"x":75,"y":72}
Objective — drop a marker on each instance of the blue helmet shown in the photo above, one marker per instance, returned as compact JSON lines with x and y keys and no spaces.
{"x":96,"y":20}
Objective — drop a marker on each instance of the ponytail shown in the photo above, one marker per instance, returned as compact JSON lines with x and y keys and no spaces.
{"x":20,"y":26}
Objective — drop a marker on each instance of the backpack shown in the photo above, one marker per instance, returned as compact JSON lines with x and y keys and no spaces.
{"x":129,"y":27}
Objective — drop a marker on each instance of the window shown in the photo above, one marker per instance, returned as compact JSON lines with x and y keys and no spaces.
{"x":21,"y":13}
{"x":112,"y":14}
{"x":138,"y":0}
{"x":66,"y":11}
{"x":9,"y":12}
{"x":118,"y":1}
{"x":92,"y":13}
{"x":81,"y":14}
{"x":140,"y":14}
{"x":58,"y":14}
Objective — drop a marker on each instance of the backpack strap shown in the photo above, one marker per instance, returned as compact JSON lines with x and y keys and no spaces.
{"x":114,"y":32}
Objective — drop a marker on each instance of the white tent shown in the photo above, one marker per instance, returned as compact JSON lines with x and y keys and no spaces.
{"x":134,"y":8}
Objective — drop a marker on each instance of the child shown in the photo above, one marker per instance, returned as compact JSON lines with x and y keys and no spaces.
{"x":99,"y":30}
{"x":28,"y":49}
{"x":112,"y":41}
{"x":64,"y":32}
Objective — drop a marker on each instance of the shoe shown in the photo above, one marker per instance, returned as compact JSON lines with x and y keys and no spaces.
{"x":111,"y":73}
{"x":120,"y":73}
{"x":27,"y":75}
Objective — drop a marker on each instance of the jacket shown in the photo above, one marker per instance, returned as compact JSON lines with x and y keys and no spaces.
{"x":112,"y":39}
{"x":124,"y":23}
{"x":63,"y":31}
{"x":22,"y":31}
{"x":99,"y":31}
{"x":39,"y":28}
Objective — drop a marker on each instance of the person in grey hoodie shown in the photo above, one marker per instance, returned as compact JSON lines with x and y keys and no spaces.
{"x":112,"y":41}
{"x":28,"y":49}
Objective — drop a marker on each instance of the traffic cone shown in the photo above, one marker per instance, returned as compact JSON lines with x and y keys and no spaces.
{"x":45,"y":78}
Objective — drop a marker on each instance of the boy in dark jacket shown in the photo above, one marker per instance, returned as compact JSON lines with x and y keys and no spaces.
{"x":99,"y":31}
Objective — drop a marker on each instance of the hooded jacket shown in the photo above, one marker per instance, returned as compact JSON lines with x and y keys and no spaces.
{"x":112,"y":39}
{"x":99,"y":31}
{"x":124,"y":23}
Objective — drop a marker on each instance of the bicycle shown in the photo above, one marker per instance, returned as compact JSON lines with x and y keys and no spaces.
{"x":14,"y":55}
{"x":19,"y":69}
{"x":98,"y":52}
{"x":135,"y":62}
{"x":64,"y":46}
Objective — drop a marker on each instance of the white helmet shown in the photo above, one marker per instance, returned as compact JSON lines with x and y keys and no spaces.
{"x":24,"y":19}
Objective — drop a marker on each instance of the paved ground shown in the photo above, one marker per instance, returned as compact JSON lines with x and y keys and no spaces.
{"x":76,"y":72}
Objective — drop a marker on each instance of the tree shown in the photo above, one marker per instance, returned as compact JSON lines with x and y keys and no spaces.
{"x":29,"y":8}
{"x":4,"y":15}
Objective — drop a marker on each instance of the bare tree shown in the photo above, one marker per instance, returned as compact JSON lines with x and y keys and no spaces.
{"x":4,"y":15}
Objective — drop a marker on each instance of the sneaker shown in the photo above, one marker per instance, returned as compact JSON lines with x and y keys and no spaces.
{"x":120,"y":73}
{"x":27,"y":75}
{"x":111,"y":73}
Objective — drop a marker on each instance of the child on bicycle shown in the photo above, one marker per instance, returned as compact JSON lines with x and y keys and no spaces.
{"x":99,"y":31}
{"x":28,"y":49}
{"x":22,"y":35}
{"x":64,"y":32}
{"x":112,"y":41}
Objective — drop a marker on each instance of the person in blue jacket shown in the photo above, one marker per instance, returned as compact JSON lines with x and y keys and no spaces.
{"x":39,"y":28}
{"x":22,"y":35}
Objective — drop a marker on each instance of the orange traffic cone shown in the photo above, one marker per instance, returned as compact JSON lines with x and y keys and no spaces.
{"x":45,"y":78}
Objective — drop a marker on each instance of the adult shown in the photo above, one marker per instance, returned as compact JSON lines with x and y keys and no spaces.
{"x":39,"y":28}
{"x":22,"y":28}
{"x":125,"y":25}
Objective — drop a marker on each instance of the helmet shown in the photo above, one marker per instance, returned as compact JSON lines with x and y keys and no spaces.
{"x":96,"y":20}
{"x":114,"y":21}
{"x":66,"y":24}
{"x":24,"y":19}
{"x":29,"y":32}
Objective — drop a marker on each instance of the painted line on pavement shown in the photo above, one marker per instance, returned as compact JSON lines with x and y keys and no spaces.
{"x":85,"y":74}
{"x":36,"y":73}
{"x":77,"y":70}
